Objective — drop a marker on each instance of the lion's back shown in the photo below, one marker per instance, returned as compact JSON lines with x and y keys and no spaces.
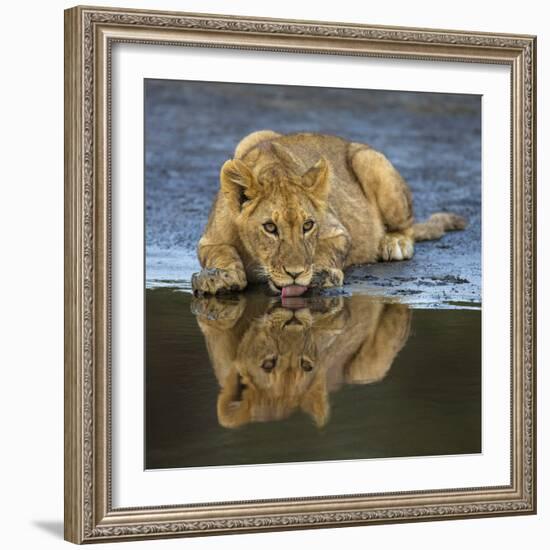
{"x":309,"y":147}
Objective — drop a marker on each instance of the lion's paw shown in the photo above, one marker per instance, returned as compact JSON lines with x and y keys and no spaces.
{"x":215,"y":308}
{"x":395,"y":247}
{"x":217,"y":281}
{"x":327,"y":277}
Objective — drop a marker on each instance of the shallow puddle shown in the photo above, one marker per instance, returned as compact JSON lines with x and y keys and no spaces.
{"x":247,"y":379}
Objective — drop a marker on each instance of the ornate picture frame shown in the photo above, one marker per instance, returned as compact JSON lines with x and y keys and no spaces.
{"x":90,"y":34}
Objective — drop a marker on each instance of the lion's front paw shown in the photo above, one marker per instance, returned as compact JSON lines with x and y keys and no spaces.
{"x":327,"y":277}
{"x":217,"y":281}
{"x":395,"y":247}
{"x":221,"y":310}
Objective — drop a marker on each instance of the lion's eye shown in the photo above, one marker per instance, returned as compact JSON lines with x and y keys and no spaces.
{"x":308,"y":226}
{"x":306,"y":365}
{"x":269,"y":364}
{"x":270,"y":227}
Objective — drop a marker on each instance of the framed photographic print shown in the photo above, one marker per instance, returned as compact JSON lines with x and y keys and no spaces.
{"x":300,"y":274}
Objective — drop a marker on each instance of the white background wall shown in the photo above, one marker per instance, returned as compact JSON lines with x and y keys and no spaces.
{"x":31,"y":276}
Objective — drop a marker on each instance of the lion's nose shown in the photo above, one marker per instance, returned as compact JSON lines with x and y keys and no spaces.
{"x":294,"y":272}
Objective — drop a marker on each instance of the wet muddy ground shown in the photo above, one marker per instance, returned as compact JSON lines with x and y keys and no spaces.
{"x":434,"y":140}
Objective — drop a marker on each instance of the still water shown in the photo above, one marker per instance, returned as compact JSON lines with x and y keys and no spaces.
{"x":247,"y":379}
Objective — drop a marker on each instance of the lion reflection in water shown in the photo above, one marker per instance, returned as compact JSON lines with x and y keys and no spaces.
{"x":272,"y":360}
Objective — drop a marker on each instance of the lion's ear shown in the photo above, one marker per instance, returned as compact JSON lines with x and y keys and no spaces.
{"x":316,"y":180}
{"x":315,"y":401}
{"x":238,"y":182}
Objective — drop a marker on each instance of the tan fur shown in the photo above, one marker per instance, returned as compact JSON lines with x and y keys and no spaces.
{"x":333,"y":204}
{"x":436,"y":226}
{"x":338,"y":341}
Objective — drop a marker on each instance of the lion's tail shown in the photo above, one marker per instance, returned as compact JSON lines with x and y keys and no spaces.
{"x":437,"y":225}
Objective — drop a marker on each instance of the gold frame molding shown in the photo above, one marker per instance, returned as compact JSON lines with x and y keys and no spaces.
{"x":89,"y":36}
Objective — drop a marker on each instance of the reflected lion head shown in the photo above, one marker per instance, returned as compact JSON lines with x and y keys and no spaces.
{"x":272,"y":361}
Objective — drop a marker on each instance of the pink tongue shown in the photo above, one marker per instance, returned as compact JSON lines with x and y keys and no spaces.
{"x":293,"y":290}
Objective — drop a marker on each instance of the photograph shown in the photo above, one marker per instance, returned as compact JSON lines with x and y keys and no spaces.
{"x":312,"y":274}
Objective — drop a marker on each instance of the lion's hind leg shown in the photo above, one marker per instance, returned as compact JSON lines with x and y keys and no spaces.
{"x":383,"y":183}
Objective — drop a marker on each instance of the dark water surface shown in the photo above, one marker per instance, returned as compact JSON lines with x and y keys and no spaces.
{"x":249,"y":380}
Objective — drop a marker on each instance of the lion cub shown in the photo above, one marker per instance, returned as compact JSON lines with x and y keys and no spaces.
{"x":295,"y":210}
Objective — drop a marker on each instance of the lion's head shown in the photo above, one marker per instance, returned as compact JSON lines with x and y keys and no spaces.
{"x":279,"y":206}
{"x":275,"y":372}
